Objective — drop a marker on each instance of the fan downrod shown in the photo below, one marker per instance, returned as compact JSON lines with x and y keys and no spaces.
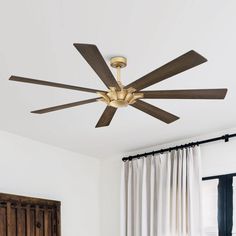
{"x":119,"y":97}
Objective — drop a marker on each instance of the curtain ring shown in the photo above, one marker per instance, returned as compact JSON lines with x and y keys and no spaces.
{"x":226,"y":138}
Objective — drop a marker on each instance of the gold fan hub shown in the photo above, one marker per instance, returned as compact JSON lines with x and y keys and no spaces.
{"x":120,"y":97}
{"x":118,"y":103}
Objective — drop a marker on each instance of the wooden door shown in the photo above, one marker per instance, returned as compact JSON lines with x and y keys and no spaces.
{"x":26,"y":216}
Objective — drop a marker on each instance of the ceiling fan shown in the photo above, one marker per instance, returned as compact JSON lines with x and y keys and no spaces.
{"x":118,"y":95}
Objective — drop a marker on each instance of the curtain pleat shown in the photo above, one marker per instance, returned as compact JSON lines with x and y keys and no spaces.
{"x":161,"y":195}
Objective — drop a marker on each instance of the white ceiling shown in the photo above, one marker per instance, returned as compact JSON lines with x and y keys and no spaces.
{"x":36,"y":41}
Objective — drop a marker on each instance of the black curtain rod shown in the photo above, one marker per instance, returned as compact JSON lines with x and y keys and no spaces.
{"x":225,"y":137}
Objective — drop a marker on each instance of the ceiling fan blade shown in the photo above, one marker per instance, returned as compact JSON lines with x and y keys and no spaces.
{"x":106,"y":117}
{"x":94,"y":58}
{"x":178,"y":65}
{"x":52,"y":84}
{"x":155,"y":111}
{"x":64,"y":106}
{"x":186,"y":94}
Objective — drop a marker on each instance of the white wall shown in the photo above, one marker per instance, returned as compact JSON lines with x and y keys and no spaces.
{"x":110,"y":196}
{"x":34,"y":169}
{"x":217,"y":158}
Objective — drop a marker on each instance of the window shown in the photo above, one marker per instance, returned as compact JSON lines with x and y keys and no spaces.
{"x":219,"y":205}
{"x":234,"y":207}
{"x":210,"y":223}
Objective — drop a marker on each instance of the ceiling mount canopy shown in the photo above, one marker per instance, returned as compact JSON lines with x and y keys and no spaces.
{"x":118,"y":95}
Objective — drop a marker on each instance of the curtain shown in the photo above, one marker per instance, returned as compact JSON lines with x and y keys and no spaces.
{"x":161,"y":194}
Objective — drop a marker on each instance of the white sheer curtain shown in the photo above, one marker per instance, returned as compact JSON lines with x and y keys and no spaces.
{"x":234,"y":207}
{"x":161,"y":195}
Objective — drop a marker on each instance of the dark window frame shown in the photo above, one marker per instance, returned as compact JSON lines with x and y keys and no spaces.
{"x":225,"y":203}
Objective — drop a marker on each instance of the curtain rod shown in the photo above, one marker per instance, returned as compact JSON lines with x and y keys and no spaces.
{"x":225,"y":137}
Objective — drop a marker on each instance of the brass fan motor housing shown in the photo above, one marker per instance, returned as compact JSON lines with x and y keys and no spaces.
{"x":120,"y":98}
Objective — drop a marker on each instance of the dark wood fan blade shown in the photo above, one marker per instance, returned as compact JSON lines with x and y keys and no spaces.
{"x":64,"y":106}
{"x":94,"y":58}
{"x":186,"y":94}
{"x":178,"y":65}
{"x":106,"y":117}
{"x":155,"y":111}
{"x":52,"y":84}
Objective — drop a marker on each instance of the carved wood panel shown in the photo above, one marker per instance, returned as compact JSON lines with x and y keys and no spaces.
{"x":26,"y":216}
